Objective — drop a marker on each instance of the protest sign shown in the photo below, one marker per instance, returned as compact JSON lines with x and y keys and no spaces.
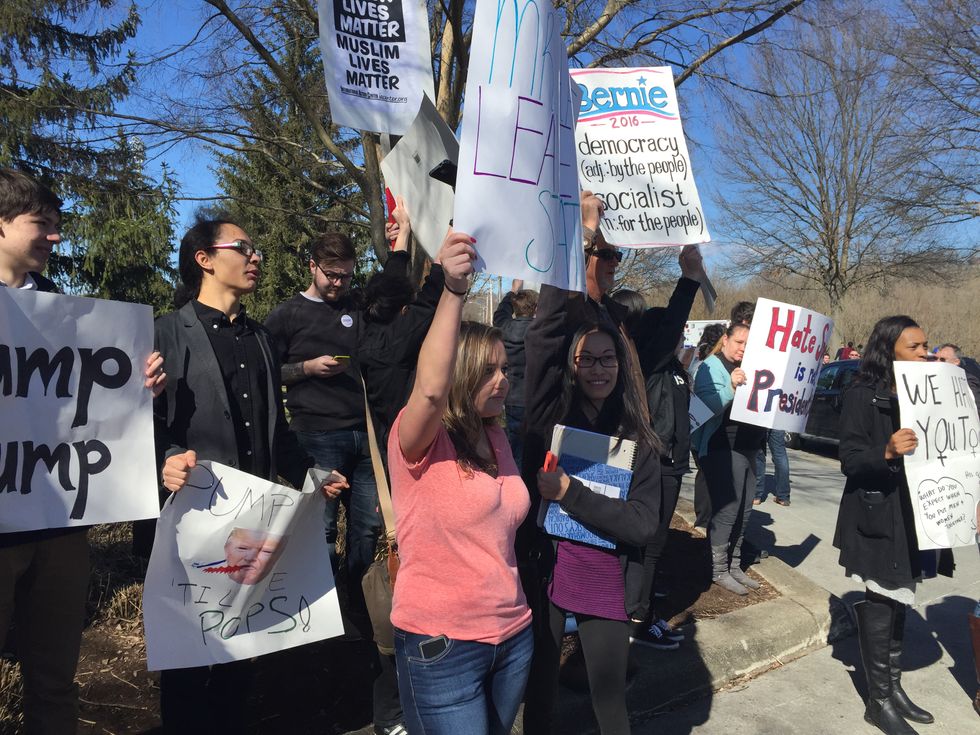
{"x":239,"y":568}
{"x":517,"y":189}
{"x":694,"y":328}
{"x":782,"y":358}
{"x":632,"y":154}
{"x":376,"y":61}
{"x":76,"y":423}
{"x":406,"y":169}
{"x":943,"y":472}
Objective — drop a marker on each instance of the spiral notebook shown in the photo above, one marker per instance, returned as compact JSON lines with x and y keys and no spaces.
{"x":602,"y":463}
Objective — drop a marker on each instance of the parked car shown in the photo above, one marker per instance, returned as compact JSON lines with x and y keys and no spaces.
{"x":822,"y":423}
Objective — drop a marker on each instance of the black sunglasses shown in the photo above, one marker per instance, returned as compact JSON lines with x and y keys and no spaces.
{"x":606,"y":254}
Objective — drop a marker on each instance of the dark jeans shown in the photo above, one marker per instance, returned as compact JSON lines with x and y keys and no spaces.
{"x":348,"y":453}
{"x":640,"y":579}
{"x":605,"y":647}
{"x":729,"y":475}
{"x":776,"y":439}
{"x":515,"y":433}
{"x":43,"y":587}
{"x":387,"y":707}
{"x":469,"y":687}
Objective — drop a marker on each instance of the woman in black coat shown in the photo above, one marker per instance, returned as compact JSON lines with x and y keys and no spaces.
{"x":875,"y":527}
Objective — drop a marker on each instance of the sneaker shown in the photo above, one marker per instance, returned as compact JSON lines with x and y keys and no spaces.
{"x":780,"y":501}
{"x":398,"y":729}
{"x":759,"y":501}
{"x":652,"y":636}
{"x":668,"y":630}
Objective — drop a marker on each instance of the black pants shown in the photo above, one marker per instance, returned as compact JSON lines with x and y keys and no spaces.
{"x":204,"y":700}
{"x":731,"y":485}
{"x":605,"y":647}
{"x":702,"y":501}
{"x":639,"y":591}
{"x":541,"y":693}
{"x":387,"y":706}
{"x":43,"y":587}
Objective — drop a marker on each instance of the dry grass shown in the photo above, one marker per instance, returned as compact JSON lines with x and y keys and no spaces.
{"x":115,"y":596}
{"x":11,"y":692}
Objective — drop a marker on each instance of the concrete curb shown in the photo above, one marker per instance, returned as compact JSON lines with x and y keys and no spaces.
{"x":804,"y":618}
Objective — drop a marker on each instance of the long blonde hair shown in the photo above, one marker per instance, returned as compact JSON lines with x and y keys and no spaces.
{"x":461,"y":419}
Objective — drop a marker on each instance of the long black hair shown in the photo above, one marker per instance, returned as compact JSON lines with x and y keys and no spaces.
{"x":879,"y":355}
{"x":201,"y":236}
{"x":384,"y":296}
{"x":621,"y":414}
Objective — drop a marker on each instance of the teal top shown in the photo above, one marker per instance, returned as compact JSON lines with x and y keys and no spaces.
{"x":713,"y":385}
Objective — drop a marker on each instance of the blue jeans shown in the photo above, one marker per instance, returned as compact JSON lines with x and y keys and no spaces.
{"x":776,"y":439}
{"x":347,"y":452}
{"x":469,"y":687}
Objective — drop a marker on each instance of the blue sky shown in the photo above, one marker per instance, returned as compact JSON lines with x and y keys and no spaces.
{"x":169,"y":23}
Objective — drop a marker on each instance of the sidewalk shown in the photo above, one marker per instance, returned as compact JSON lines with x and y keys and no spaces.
{"x":821,"y":693}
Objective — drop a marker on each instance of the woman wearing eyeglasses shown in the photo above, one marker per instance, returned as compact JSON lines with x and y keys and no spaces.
{"x":587,"y":382}
{"x":222,"y":403}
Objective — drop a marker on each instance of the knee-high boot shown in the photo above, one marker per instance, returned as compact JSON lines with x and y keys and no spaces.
{"x":975,"y":635}
{"x":875,"y":634}
{"x":720,"y":573}
{"x":905,"y":706}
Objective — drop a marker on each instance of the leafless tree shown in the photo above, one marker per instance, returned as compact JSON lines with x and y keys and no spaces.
{"x":236,"y":37}
{"x":817,"y":159}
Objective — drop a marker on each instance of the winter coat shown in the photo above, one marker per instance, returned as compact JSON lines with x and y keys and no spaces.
{"x":656,"y":343}
{"x":514,"y":329}
{"x":875,"y":527}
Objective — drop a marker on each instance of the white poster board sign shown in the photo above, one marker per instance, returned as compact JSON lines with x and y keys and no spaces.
{"x":694,"y":328}
{"x":781,"y":362}
{"x":632,"y":154}
{"x":376,"y":61}
{"x":76,"y":423}
{"x":517,"y":189}
{"x":406,"y":168}
{"x":239,"y":568}
{"x":943,"y":472}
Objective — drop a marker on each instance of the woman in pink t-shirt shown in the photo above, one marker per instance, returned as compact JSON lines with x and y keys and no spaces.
{"x":463,"y":641}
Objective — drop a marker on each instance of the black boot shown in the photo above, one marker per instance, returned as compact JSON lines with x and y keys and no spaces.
{"x":875,"y":633}
{"x":905,"y":706}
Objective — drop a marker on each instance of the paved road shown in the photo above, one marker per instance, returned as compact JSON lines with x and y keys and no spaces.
{"x":820,"y":694}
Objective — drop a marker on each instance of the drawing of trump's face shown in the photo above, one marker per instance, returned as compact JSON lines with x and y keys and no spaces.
{"x":254,"y":553}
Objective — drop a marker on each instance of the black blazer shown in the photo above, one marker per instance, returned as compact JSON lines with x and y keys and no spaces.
{"x":193,"y":411}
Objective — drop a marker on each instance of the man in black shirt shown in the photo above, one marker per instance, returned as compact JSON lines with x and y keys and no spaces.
{"x":223,"y":403}
{"x":317,"y":333}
